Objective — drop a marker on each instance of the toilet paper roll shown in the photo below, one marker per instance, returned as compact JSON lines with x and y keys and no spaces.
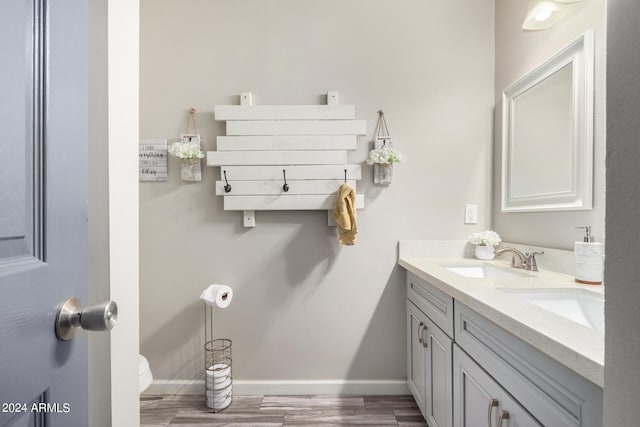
{"x":219,"y":405}
{"x":217,"y":295}
{"x":219,"y":371}
{"x":218,"y":396}
{"x":219,"y":385}
{"x":217,"y":380}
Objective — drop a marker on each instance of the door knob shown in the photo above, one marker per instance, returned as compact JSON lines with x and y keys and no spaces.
{"x":71,"y":317}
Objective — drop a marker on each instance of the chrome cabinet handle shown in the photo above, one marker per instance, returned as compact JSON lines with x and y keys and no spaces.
{"x":492,"y":404}
{"x":71,"y":317}
{"x":425,"y":343}
{"x":504,"y":415}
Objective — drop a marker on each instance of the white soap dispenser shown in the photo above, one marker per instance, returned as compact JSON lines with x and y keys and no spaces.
{"x":589,"y":259}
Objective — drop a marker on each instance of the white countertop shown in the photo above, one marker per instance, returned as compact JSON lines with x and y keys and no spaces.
{"x":578,"y":347}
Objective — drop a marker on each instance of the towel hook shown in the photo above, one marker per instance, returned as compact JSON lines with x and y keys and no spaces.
{"x":345,"y":176}
{"x":227,"y":187}
{"x":285,"y":187}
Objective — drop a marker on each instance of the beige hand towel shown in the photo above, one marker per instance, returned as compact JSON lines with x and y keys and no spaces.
{"x":344,"y":214}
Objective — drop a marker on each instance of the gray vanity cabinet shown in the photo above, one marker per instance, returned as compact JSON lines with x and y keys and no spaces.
{"x":552,"y":393}
{"x":429,"y":359}
{"x":479,"y":401}
{"x":454,"y":381}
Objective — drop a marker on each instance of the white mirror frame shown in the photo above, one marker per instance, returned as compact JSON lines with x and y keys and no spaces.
{"x":579,"y":197}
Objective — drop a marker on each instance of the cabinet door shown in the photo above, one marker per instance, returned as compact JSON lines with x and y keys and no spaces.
{"x":553,"y":394}
{"x":479,"y":401}
{"x":416,"y":354}
{"x":439,"y":367}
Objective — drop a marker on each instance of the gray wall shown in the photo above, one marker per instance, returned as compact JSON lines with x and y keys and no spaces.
{"x":517,"y":53}
{"x":304,"y":307}
{"x":622,"y":270}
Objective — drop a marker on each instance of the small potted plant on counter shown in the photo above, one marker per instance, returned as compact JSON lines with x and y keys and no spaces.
{"x":485,"y":242}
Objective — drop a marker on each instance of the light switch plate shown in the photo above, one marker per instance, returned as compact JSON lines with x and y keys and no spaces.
{"x":471,"y":214}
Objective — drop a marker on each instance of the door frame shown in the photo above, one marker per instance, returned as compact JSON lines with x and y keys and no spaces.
{"x":114,"y":133}
{"x":123,"y":21}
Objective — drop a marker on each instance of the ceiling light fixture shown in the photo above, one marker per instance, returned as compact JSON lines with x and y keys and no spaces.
{"x":542,"y":14}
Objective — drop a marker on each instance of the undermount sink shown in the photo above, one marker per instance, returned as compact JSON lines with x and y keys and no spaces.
{"x":483,"y":271}
{"x":578,"y":305}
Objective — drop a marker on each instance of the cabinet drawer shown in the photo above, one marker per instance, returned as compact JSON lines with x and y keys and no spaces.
{"x":554,"y":394}
{"x":432,"y":301}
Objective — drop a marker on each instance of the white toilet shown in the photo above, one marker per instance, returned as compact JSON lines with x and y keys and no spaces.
{"x":145,"y":373}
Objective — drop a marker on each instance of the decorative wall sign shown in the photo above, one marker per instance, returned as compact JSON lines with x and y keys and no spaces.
{"x":153,"y":160}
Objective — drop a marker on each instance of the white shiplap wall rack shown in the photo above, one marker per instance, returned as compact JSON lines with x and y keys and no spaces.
{"x":309,"y":142}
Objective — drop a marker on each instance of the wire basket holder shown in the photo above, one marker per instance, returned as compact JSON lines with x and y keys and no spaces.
{"x":217,"y":367}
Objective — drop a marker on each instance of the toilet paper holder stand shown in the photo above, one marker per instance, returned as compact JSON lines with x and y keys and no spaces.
{"x":218,"y":363}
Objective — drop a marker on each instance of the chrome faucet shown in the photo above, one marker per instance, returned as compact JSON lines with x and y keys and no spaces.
{"x":526,"y":261}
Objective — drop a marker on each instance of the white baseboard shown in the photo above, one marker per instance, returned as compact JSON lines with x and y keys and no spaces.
{"x":267,"y":387}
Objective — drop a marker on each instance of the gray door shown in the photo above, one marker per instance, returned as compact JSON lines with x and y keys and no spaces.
{"x":43,"y":149}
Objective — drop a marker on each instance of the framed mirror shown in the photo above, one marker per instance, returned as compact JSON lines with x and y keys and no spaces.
{"x":547,"y":134}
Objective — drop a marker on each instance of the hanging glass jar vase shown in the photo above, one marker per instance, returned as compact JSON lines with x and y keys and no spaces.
{"x":191,"y":170}
{"x":383,"y":173}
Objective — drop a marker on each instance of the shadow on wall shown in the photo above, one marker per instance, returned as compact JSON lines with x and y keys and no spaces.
{"x":309,"y":252}
{"x":301,"y":261}
{"x":277,"y":282}
{"x":384,"y":322}
{"x":172,"y":339}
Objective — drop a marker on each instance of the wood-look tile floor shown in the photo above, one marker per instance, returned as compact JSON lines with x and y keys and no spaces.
{"x":272,"y":411}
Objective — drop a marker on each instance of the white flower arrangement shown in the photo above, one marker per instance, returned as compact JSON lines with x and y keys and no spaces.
{"x":384,"y":155}
{"x":485,"y":238}
{"x":186,"y":150}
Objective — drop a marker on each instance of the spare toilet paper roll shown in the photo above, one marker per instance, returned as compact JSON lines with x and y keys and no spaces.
{"x":217,"y":295}
{"x":218,"y":396}
{"x":220,"y":385}
{"x":217,"y":380}
{"x":219,"y":370}
{"x":219,"y":405}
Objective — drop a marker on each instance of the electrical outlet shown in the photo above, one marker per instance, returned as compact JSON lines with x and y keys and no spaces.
{"x":471,"y":214}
